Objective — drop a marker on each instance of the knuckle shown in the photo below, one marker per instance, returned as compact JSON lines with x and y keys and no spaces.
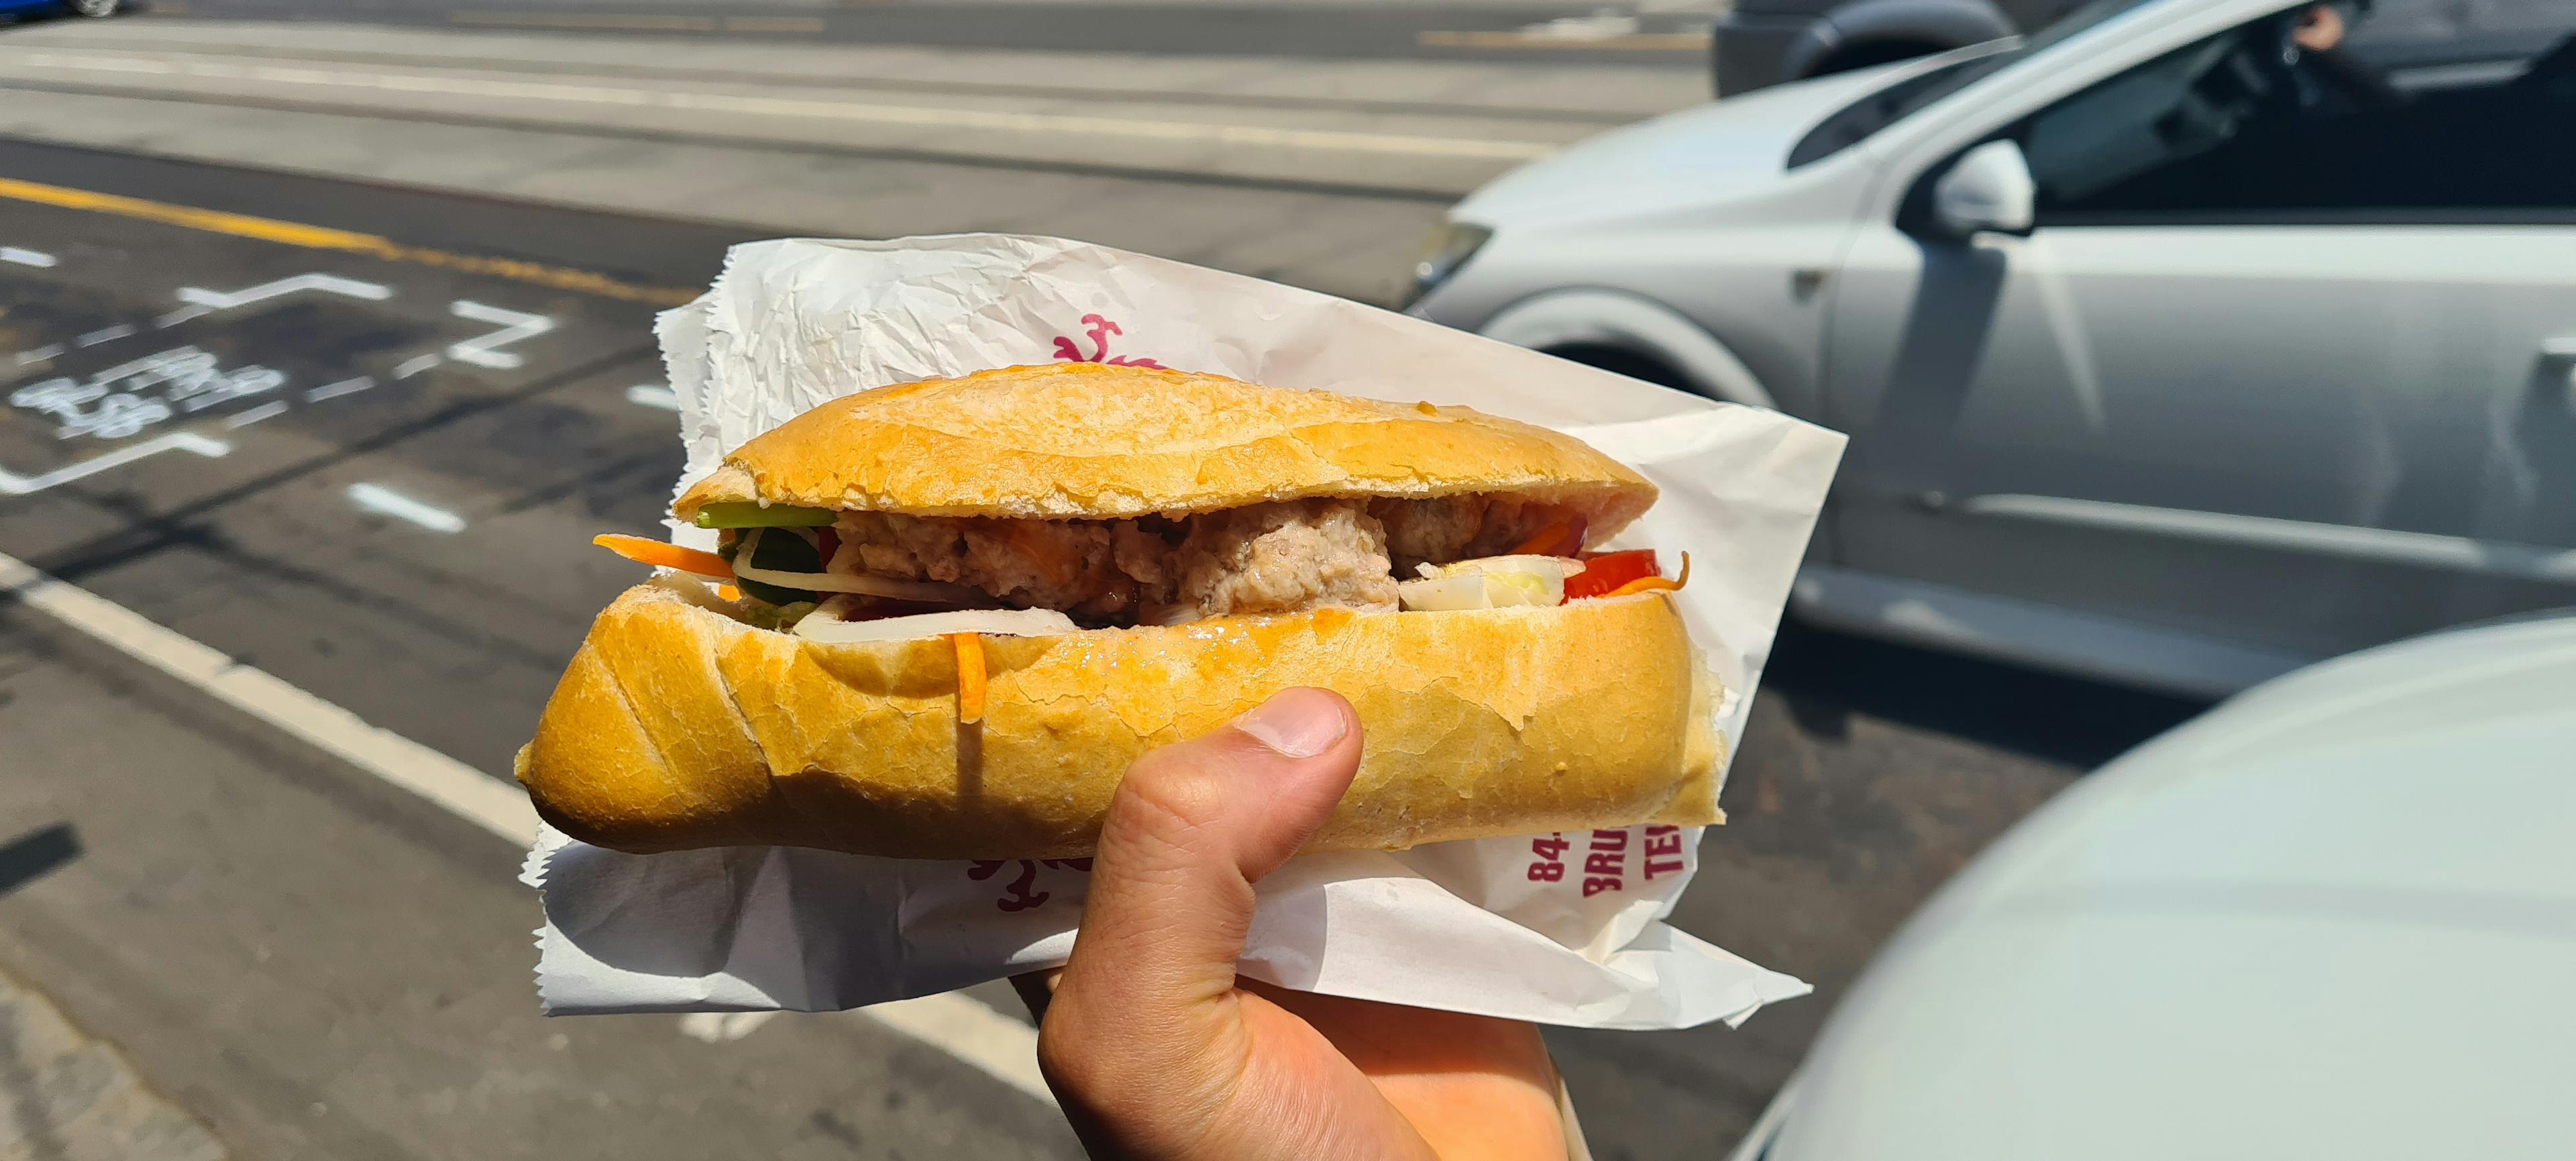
{"x":1169,"y":795}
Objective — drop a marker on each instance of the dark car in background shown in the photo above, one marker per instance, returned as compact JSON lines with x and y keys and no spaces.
{"x":1765,"y":42}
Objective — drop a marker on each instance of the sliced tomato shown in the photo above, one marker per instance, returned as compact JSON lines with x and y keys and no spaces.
{"x":1608,"y":571}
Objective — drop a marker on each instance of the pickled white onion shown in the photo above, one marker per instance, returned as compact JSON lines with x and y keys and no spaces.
{"x":925,"y":592}
{"x":993,"y":622}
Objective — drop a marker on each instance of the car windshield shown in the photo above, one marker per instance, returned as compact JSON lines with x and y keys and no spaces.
{"x":1885,"y":106}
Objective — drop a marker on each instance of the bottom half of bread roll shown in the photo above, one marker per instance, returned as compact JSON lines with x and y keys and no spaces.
{"x":677,"y":726}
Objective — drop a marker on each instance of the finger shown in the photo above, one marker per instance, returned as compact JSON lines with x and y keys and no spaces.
{"x":1473,"y":1086}
{"x":1147,"y":993}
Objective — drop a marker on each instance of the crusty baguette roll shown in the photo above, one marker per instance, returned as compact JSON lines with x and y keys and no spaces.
{"x":1096,"y":441}
{"x":678,"y":727}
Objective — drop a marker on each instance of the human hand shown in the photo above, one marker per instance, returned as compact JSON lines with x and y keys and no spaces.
{"x":2320,"y":28}
{"x":1158,"y":1052}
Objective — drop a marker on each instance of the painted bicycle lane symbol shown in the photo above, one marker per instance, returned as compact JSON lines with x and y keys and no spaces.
{"x":186,"y":381}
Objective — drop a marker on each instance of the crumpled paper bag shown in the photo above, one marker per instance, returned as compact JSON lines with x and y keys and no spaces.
{"x":1561,"y":929}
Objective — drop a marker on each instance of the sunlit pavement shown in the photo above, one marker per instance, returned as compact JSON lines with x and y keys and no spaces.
{"x":359,"y":440}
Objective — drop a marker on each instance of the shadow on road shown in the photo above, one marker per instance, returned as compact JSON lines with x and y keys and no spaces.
{"x":1827,"y":676}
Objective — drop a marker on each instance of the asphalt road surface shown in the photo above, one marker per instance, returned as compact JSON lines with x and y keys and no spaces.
{"x":360,"y":439}
{"x":1530,"y":30}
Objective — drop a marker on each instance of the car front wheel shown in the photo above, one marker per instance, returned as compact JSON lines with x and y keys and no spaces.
{"x":93,"y":7}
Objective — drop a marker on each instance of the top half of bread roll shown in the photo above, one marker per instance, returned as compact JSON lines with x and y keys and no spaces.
{"x":1091,"y":441}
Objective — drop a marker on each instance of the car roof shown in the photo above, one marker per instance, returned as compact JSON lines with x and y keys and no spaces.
{"x":2334,"y":917}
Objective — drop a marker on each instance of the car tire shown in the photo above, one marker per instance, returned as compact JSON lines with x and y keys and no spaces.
{"x":1621,"y":361}
{"x":93,"y":8}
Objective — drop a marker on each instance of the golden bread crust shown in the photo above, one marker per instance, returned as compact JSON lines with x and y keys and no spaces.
{"x":678,"y":727}
{"x":1097,"y":441}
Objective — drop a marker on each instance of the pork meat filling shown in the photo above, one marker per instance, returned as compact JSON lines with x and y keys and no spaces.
{"x":1283,"y":557}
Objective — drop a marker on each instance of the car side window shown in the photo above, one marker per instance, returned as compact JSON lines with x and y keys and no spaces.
{"x":2398,"y":111}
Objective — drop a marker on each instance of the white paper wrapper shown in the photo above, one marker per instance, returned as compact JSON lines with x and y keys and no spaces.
{"x":1557,"y":929}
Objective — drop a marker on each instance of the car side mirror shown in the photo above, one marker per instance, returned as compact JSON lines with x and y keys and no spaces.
{"x":1989,"y":188}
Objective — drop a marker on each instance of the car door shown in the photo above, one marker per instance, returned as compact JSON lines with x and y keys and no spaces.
{"x":2283,"y":362}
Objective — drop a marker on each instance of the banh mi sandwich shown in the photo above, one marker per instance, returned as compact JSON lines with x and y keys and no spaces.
{"x":945,"y":616}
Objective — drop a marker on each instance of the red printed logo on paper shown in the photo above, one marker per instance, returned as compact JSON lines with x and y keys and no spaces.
{"x":1100,"y":328}
{"x":1605,"y":866}
{"x":1020,"y":893}
{"x":1549,"y":867}
{"x":1663,"y":851}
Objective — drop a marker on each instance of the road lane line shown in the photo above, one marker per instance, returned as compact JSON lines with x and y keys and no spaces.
{"x":94,"y":338}
{"x":336,"y":390}
{"x":773,"y":24}
{"x":39,"y":354}
{"x":187,"y":441}
{"x":497,"y":806}
{"x":36,"y":258}
{"x":384,"y":501}
{"x":417,"y":364}
{"x":632,"y":22}
{"x":1565,"y":42}
{"x":325,"y":238}
{"x":1192,"y":132}
{"x":653,"y":395}
{"x":999,"y":1046}
{"x":254,"y":415}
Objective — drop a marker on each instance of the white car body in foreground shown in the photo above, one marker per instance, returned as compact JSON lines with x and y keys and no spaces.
{"x":2333,"y":918}
{"x":2190,"y":449}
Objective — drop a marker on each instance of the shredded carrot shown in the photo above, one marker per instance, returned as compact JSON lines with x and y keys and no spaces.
{"x":1653,"y":584}
{"x":729,"y":592}
{"x":1559,"y":538}
{"x":970,"y":676}
{"x":1643,"y":584}
{"x":643,"y":550}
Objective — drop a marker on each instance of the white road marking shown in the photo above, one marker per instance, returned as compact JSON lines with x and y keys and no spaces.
{"x":218,"y":300}
{"x":111,"y":334}
{"x":495,"y":805}
{"x":722,"y":1027}
{"x":254,"y":415}
{"x":988,"y":1040}
{"x":180,"y":315}
{"x":39,"y":354}
{"x":336,"y":390}
{"x":384,"y":501}
{"x":36,"y":258}
{"x":1052,"y":124}
{"x":188,"y":441}
{"x":653,"y":395}
{"x":485,"y":350}
{"x":416,"y":364}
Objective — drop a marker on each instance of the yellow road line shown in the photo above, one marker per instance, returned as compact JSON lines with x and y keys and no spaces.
{"x":1630,"y":41}
{"x":344,"y":241}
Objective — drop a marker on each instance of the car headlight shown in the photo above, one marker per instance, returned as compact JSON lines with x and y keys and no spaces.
{"x":1449,"y":248}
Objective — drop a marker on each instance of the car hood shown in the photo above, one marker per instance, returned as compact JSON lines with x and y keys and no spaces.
{"x":1688,"y":157}
{"x":2332,"y":917}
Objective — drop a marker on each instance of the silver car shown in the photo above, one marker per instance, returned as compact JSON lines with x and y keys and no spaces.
{"x":2184,"y":343}
{"x":2334,"y":918}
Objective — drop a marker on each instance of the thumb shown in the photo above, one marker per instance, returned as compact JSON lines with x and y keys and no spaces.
{"x":1146,"y":1004}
